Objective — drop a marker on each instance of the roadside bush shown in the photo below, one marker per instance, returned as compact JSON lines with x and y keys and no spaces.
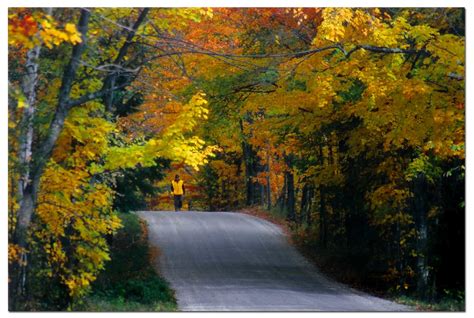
{"x":129,"y":281}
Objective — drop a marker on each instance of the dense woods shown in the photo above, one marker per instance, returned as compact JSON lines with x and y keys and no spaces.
{"x":348,"y":122}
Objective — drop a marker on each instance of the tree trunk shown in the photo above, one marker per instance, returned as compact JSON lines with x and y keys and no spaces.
{"x":309,"y":209}
{"x":322,"y":217}
{"x":17,"y":287}
{"x":249,"y":167}
{"x":322,"y":207}
{"x":283,"y":194}
{"x":290,"y":188}
{"x":421,"y":223}
{"x":304,"y":202}
{"x":46,"y":148}
{"x":249,"y":174}
{"x":35,"y":168}
{"x":269,"y":190}
{"x":24,"y":187}
{"x":110,"y":80}
{"x":26,"y":125}
{"x":290,"y":203}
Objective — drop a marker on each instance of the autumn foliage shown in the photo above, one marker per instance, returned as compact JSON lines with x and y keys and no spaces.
{"x":349,"y":122}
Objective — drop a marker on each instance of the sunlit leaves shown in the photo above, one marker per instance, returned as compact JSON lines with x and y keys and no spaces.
{"x":76,"y":213}
{"x":388,"y":92}
{"x":422,"y":165}
{"x":37,"y":28}
{"x":332,"y":28}
{"x":176,"y":141}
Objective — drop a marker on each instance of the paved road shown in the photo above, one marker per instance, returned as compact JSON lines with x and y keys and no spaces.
{"x":225,"y":261}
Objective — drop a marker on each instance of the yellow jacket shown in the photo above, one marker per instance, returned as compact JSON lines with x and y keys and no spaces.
{"x":177,"y":188}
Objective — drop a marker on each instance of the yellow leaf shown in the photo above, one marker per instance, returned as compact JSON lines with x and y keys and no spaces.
{"x":21,"y":102}
{"x":71,"y":28}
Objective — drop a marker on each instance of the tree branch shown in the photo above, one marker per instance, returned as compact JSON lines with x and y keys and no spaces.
{"x":380,"y":49}
{"x":110,"y":79}
{"x":88,"y":97}
{"x":131,"y":34}
{"x":62,"y":110}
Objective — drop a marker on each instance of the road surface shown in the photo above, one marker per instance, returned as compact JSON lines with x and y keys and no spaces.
{"x":226,"y":261}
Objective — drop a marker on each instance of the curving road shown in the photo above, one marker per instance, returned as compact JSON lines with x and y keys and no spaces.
{"x":225,"y":261}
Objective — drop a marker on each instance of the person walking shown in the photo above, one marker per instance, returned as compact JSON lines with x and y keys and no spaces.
{"x":177,"y":188}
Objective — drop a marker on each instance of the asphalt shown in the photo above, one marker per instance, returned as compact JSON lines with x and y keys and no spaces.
{"x":226,"y":261}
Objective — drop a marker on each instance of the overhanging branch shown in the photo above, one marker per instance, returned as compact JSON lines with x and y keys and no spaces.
{"x":88,"y":97}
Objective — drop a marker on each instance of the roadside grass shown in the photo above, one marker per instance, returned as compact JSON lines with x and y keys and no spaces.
{"x":107,"y":304}
{"x":449,"y":301}
{"x":129,"y":281}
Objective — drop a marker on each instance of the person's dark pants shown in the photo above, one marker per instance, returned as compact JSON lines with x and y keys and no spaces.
{"x":178,"y":202}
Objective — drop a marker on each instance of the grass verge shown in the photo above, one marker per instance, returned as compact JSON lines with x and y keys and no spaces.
{"x":129,"y":281}
{"x":450,"y":301}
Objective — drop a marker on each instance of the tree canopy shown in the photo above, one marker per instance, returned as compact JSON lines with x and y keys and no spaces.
{"x":350,"y":121}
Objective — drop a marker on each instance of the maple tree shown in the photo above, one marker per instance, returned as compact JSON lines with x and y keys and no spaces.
{"x":349,"y":121}
{"x":352,"y":133}
{"x":65,"y":156}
